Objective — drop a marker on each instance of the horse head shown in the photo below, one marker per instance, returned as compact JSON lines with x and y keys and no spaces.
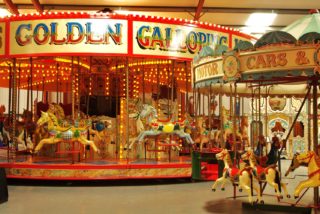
{"x":148,"y":111}
{"x":222,"y":155}
{"x":247,"y":155}
{"x":2,"y":109}
{"x":294,"y":164}
{"x":26,"y":115}
{"x":305,"y":158}
{"x":43,"y":119}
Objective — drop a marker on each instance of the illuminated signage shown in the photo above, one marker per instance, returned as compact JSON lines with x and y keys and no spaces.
{"x":69,"y":35}
{"x":259,"y":62}
{"x":208,"y":70}
{"x":173,"y":40}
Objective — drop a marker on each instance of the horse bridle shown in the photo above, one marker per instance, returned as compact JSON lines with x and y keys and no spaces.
{"x":247,"y":155}
{"x":312,"y":173}
{"x":309,"y":156}
{"x":223,"y":155}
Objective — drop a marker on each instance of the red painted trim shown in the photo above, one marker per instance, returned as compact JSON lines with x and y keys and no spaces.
{"x":68,"y":54}
{"x":131,"y":37}
{"x":107,"y":166}
{"x":198,"y":10}
{"x":98,"y":178}
{"x":130,"y":19}
{"x":165,"y":20}
{"x":7,"y":40}
{"x":37,"y":6}
{"x":11,"y":6}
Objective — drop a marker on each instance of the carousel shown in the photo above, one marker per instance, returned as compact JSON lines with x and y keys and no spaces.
{"x":263,"y":95}
{"x":100,"y":96}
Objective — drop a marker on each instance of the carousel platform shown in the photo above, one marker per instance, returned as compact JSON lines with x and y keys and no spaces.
{"x":69,"y":168}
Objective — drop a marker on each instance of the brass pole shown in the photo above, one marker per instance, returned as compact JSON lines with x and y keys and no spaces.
{"x":315,"y":131}
{"x":72,"y":88}
{"x":14,"y":102}
{"x":127,"y":106}
{"x":221,"y":119}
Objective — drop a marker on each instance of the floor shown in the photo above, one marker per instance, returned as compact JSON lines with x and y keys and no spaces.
{"x":135,"y":196}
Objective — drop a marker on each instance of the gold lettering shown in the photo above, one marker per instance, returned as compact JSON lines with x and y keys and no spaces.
{"x":301,"y":58}
{"x":260,"y":61}
{"x":271,"y":60}
{"x":250,"y":62}
{"x":282,"y":60}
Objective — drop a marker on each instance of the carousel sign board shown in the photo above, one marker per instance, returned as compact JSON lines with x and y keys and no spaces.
{"x":69,"y":36}
{"x":275,"y":60}
{"x":208,"y":70}
{"x":231,"y":67}
{"x":173,"y":40}
{"x":73,"y":33}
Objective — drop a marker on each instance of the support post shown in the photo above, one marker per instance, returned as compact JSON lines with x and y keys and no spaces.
{"x":315,"y":131}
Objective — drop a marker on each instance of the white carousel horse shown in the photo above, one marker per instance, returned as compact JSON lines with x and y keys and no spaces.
{"x":139,"y":124}
{"x":161,"y":127}
{"x":140,"y":128}
{"x":59,"y":134}
{"x":6,"y":134}
{"x":230,"y":173}
{"x":22,"y":144}
{"x":269,"y":174}
{"x":312,"y":160}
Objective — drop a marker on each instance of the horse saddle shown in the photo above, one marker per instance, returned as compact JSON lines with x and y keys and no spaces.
{"x":260,"y":172}
{"x":232,"y":173}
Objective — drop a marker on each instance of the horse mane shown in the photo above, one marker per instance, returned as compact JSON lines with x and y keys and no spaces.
{"x":154,"y":111}
{"x":53,"y":118}
{"x":228,"y":159}
{"x":317,"y":159}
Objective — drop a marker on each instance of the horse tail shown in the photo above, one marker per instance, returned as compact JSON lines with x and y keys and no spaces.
{"x":277,"y":179}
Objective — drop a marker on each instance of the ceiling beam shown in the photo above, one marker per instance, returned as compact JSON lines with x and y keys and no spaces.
{"x":197,"y":15}
{"x":11,"y":7}
{"x":48,"y":7}
{"x":37,"y":6}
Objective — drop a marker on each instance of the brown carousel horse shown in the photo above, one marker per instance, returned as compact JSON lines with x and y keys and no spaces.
{"x":203,"y":133}
{"x":269,"y":174}
{"x":312,"y":161}
{"x":4,"y":133}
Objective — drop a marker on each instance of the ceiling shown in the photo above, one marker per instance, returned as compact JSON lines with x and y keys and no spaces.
{"x":223,"y":12}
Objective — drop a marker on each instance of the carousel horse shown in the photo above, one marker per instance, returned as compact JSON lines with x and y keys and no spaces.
{"x":59,"y":133}
{"x":269,"y":174}
{"x":204,"y":134}
{"x":161,"y":127}
{"x":140,"y":128}
{"x":58,"y":111}
{"x":228,"y":125}
{"x":24,"y":145}
{"x":244,"y":128}
{"x":312,"y":161}
{"x":231,"y":174}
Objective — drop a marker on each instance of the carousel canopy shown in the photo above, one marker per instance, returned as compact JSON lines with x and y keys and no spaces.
{"x":281,"y":62}
{"x":275,"y":37}
{"x":207,"y":51}
{"x":307,"y":24}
